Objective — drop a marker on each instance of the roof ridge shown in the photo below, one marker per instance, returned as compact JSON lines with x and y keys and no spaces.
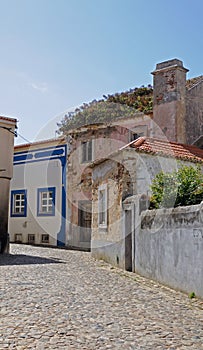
{"x":138,"y":142}
{"x":167,"y":148}
{"x":10,"y":119}
{"x":191,"y":83}
{"x":59,"y":139}
{"x":173,"y":143}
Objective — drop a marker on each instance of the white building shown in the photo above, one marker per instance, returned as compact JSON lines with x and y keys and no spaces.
{"x":38,"y":193}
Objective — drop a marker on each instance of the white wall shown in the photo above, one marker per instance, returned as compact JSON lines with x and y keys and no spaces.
{"x":169,"y":245}
{"x":31,"y":176}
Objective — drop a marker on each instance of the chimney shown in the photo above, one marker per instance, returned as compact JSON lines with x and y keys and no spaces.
{"x":169,"y":106}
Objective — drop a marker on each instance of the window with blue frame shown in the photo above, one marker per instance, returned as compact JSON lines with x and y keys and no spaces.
{"x":46,"y":201}
{"x":18,"y":203}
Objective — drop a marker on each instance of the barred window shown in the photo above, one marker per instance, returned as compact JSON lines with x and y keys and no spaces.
{"x":46,"y":201}
{"x":18,"y":203}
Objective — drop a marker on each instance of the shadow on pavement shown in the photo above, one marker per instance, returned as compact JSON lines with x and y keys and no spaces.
{"x":21,"y":259}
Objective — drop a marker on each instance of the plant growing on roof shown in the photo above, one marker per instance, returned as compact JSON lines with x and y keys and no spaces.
{"x":110,"y":108}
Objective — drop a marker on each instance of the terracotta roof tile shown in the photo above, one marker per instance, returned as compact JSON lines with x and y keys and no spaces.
{"x":190,"y":83}
{"x":42,"y":142}
{"x":169,"y":149}
{"x":8,"y":119}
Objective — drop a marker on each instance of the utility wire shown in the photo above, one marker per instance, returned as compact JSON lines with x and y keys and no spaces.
{"x":15,"y":133}
{"x":22,"y":137}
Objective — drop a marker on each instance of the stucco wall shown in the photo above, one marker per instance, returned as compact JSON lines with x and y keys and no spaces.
{"x":107,"y":244}
{"x":169,"y":246}
{"x":194,"y":113}
{"x":127,"y":173}
{"x":40,"y":169}
{"x":106,"y":139}
{"x":7,"y":128}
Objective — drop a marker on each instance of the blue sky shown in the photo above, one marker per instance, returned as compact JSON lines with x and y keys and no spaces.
{"x":57,"y":54}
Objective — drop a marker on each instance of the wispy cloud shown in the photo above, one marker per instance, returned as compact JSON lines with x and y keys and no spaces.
{"x":41,"y":87}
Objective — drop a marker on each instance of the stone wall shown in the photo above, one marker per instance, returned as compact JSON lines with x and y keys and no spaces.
{"x":169,"y":246}
{"x":169,"y":100}
{"x":107,"y":244}
{"x":194,"y":113}
{"x":105,"y":140}
{"x":127,"y":173}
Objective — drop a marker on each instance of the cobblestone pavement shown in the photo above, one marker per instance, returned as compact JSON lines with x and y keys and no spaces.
{"x":62,"y":299}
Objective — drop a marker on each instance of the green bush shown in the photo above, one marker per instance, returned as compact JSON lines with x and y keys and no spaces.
{"x":178,"y":188}
{"x":110,"y":108}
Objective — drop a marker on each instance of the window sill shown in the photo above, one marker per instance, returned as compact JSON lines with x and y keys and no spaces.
{"x":18,"y":215}
{"x":46,"y":214}
{"x":103,"y":228}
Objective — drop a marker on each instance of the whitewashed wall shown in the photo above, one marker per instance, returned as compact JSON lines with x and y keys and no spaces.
{"x":31,"y":175}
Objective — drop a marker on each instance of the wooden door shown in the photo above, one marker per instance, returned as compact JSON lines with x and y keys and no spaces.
{"x":85,"y":221}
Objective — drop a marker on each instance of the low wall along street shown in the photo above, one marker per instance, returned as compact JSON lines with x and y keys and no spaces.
{"x":169,"y":247}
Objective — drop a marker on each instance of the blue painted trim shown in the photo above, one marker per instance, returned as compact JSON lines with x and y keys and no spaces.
{"x":22,"y":157}
{"x":20,"y":215}
{"x":49,"y":153}
{"x":39,"y":154}
{"x":40,"y":149}
{"x":37,"y":160}
{"x":61,"y":236}
{"x":46,"y":189}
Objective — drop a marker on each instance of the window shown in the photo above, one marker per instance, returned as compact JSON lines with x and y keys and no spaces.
{"x":45,"y":238}
{"x":31,"y":239}
{"x":102,"y":209}
{"x":87,"y":151}
{"x":46,"y":201}
{"x":137,"y":132}
{"x":19,"y":203}
{"x":135,"y":136}
{"x":18,"y":237}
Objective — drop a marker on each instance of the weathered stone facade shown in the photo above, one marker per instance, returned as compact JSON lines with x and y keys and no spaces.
{"x":107,"y":243}
{"x":128,"y":172}
{"x":177,"y":103}
{"x":105,"y":139}
{"x":194,"y":113}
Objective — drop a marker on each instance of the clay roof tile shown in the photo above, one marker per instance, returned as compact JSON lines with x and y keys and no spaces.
{"x":166,"y":148}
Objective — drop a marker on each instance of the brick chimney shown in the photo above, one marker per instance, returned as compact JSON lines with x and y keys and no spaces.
{"x":169,"y":106}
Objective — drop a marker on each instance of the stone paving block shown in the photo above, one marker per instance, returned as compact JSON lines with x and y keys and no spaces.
{"x":71,"y":301}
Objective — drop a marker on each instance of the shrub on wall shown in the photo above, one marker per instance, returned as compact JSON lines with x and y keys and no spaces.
{"x":178,"y":188}
{"x":110,"y":108}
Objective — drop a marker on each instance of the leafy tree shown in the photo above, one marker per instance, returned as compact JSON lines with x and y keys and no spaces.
{"x":110,"y":108}
{"x":179,"y":188}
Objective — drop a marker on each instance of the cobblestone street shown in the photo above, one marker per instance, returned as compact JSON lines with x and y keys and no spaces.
{"x":63,"y":299}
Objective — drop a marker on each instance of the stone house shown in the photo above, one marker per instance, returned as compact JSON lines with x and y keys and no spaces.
{"x":126,"y":173}
{"x":90,"y":143}
{"x":7,"y":131}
